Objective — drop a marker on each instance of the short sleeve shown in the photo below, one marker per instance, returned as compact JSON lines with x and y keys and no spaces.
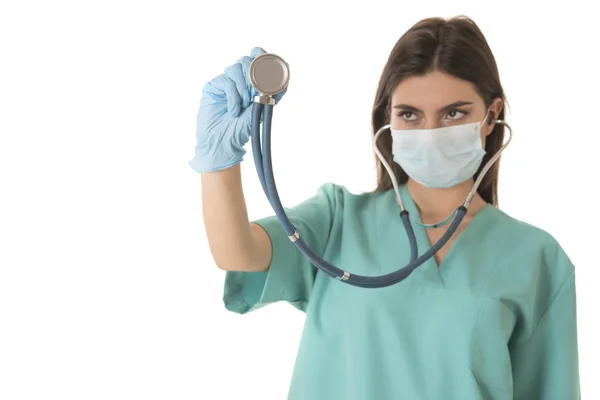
{"x":290,"y":276}
{"x":545,"y":365}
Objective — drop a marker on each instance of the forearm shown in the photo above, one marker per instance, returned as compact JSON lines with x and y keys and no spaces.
{"x":235,"y":244}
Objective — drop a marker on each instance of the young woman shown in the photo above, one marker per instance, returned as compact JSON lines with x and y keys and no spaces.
{"x":491,"y":316}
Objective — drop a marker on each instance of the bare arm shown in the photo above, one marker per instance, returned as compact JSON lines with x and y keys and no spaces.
{"x":235,"y":243}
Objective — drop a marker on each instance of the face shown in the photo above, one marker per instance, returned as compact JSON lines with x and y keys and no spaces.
{"x":437,"y":100}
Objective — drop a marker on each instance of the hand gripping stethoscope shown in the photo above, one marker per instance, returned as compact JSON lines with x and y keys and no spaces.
{"x":269,"y":75}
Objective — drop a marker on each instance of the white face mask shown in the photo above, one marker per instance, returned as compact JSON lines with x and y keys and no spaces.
{"x":439,"y":158}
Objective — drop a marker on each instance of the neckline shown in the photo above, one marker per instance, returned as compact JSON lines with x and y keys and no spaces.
{"x":430,"y":270}
{"x":413,"y":211}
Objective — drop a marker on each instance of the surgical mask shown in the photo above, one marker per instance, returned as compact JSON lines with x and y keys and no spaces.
{"x":441,"y":157}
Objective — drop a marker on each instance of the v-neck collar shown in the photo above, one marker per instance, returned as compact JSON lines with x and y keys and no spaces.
{"x":429,"y":273}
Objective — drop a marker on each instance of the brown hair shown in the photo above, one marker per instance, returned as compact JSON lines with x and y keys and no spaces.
{"x":454,"y":46}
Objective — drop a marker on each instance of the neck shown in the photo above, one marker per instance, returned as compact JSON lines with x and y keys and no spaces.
{"x":436,"y":204}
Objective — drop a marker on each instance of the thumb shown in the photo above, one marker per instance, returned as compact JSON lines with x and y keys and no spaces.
{"x":245,"y":120}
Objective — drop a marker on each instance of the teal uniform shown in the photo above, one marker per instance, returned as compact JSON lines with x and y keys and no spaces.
{"x":496,"y":320}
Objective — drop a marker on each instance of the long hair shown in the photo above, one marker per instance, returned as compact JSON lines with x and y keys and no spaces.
{"x":454,"y":46}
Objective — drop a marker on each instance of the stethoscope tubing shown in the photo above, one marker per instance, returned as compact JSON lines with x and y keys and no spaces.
{"x":264,"y":168}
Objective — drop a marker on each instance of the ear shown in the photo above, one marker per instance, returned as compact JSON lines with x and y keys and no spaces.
{"x":495,"y":109}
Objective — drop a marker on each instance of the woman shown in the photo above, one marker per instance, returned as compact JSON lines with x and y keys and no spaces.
{"x":491,"y":316}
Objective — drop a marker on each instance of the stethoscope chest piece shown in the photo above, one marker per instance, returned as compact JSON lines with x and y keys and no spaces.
{"x":269,"y":74}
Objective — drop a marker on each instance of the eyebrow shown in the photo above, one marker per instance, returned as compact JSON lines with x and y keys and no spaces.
{"x":444,"y":109}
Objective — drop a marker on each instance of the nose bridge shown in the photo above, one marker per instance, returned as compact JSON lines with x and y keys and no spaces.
{"x":431,"y":122}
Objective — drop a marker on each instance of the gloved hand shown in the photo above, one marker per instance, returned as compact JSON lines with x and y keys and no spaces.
{"x":223,"y":121}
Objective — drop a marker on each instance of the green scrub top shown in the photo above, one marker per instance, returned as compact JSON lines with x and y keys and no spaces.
{"x":496,"y":320}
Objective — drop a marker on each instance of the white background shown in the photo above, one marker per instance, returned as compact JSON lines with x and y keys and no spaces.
{"x":107,"y":287}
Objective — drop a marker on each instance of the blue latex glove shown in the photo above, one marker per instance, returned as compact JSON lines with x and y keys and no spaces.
{"x":224,"y":119}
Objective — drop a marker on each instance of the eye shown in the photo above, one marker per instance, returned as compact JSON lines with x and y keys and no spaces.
{"x":407,"y":115}
{"x":456,"y":114}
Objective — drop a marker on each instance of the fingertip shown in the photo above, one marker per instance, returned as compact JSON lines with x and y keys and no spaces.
{"x":256,"y":52}
{"x":244,"y":59}
{"x":217,"y":83}
{"x":279,"y":95}
{"x":237,"y":73}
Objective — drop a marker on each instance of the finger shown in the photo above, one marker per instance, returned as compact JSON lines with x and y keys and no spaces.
{"x":245,"y":63}
{"x":279,"y":95}
{"x":236,"y":75}
{"x":215,"y":89}
{"x":234,"y":101}
{"x":257,"y":51}
{"x":245,"y":120}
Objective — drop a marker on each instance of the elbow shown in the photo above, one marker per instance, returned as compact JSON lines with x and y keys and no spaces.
{"x":224,"y":264}
{"x":234,"y":263}
{"x":224,"y":258}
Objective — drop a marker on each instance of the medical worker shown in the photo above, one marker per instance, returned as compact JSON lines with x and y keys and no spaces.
{"x":491,"y":316}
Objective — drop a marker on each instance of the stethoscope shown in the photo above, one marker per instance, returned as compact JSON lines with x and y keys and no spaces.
{"x":269,"y":75}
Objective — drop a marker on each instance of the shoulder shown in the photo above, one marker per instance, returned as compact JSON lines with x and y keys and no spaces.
{"x":341,"y":196}
{"x":331,"y":200}
{"x":355,"y":210}
{"x":527,"y":240}
{"x":532,"y":263}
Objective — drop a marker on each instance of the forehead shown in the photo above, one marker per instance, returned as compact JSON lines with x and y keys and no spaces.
{"x":434,"y":90}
